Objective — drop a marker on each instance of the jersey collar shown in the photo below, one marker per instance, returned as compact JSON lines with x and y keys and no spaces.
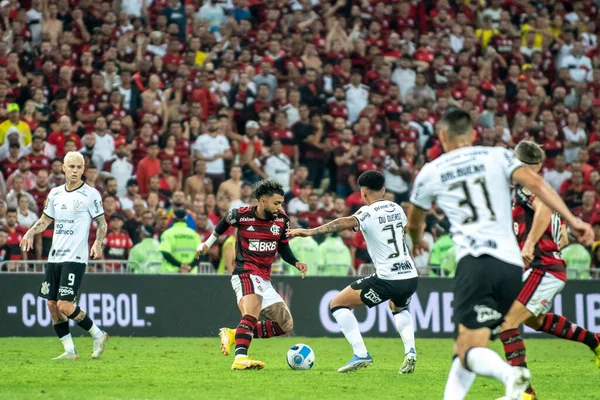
{"x":74,"y":190}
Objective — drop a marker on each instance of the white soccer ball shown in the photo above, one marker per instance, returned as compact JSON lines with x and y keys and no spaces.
{"x":300,"y":357}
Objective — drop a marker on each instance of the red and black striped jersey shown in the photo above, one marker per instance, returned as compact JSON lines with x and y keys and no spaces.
{"x":546,"y":255}
{"x":257,"y":241}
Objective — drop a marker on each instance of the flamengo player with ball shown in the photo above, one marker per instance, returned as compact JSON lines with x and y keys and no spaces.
{"x":261,"y":235}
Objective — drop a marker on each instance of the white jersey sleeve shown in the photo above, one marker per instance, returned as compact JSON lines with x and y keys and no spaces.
{"x":422,"y":194}
{"x":383,"y":224}
{"x":95,"y":204}
{"x":49,"y":206}
{"x":362,"y":215}
{"x":508,"y":161}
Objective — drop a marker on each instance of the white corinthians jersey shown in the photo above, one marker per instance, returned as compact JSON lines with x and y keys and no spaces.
{"x":472,"y":186}
{"x":72,"y":212}
{"x":382,"y":224}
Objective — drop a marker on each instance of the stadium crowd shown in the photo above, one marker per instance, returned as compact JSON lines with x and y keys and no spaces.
{"x":183,"y":105}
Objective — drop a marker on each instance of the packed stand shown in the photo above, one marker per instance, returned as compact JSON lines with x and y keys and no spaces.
{"x":181,"y":106}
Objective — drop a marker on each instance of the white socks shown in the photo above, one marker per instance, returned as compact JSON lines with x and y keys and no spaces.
{"x":95,"y":331}
{"x":404,"y":324}
{"x":488,"y":363}
{"x":347,"y":321}
{"x":68,"y":344}
{"x":459,"y":381}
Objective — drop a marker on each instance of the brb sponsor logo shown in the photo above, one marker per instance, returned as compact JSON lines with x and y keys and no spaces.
{"x":106,"y":309}
{"x":261,"y":246}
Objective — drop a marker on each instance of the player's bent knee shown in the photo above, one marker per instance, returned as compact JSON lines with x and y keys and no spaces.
{"x":333,"y":307}
{"x":288,"y":325}
{"x":396,"y":309}
{"x":535,"y":322}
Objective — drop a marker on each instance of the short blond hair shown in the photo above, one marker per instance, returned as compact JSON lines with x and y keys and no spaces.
{"x":73,"y":155}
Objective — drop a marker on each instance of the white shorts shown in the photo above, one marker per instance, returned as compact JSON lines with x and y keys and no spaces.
{"x":245,"y":284}
{"x":539,"y":290}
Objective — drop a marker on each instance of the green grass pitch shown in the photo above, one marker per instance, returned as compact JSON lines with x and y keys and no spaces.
{"x":188,"y":368}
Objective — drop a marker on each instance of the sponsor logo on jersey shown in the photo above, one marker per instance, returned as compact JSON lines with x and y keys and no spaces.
{"x":261,"y":246}
{"x":373,"y":296}
{"x":247,"y":219}
{"x":251,"y":228}
{"x":485,"y":313}
{"x":386,"y":205}
{"x":278,"y":219}
{"x":77,"y":204}
{"x":402,"y":267}
{"x":275,"y":230}
{"x":60,"y":252}
{"x":365,"y":217}
{"x":64,"y":207}
{"x":45,"y":288}
{"x":66,"y":291}
{"x":60,"y":229}
{"x":96,"y":206}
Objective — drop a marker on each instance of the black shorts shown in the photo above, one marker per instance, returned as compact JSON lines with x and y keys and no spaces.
{"x":484,"y":290}
{"x":374,"y":290}
{"x":62,"y":281}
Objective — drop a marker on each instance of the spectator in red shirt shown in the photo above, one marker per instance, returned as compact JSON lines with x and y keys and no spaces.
{"x":358,"y":251}
{"x":59,"y":137}
{"x":362,"y":164}
{"x":10,"y":164}
{"x":589,"y":207}
{"x":57,"y":176}
{"x":15,"y":235}
{"x":117,"y":241}
{"x":148,"y":167}
{"x":23,"y":171}
{"x":572,"y":190}
{"x":37,"y":158}
{"x":315,"y":214}
{"x":41,"y":189}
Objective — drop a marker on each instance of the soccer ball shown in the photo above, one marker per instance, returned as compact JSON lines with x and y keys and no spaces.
{"x":300,"y":357}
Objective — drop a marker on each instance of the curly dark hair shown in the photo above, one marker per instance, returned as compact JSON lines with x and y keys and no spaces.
{"x":267,"y":187}
{"x":372,"y":180}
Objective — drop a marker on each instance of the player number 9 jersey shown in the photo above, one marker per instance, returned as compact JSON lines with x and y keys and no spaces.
{"x":72,"y":212}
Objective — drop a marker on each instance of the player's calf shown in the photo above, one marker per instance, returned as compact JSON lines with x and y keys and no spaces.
{"x":84,"y":321}
{"x":277,"y":321}
{"x":561,"y":327}
{"x":60,"y":324}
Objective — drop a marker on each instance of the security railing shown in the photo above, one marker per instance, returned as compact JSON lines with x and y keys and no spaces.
{"x":278,"y":269}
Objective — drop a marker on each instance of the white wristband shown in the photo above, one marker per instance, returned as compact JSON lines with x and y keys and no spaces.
{"x":211,"y":240}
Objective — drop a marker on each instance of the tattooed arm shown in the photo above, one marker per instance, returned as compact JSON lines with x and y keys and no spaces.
{"x":96,"y":251}
{"x":39,"y":227}
{"x":336,"y":225}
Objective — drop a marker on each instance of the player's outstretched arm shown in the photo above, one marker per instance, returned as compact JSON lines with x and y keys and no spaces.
{"x":337,"y":225}
{"x":528,"y":178}
{"x":96,"y":251}
{"x":541,"y":219}
{"x":39,"y":227}
{"x":416,"y":222}
{"x":220,"y":229}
